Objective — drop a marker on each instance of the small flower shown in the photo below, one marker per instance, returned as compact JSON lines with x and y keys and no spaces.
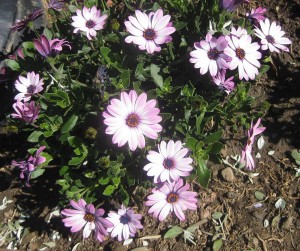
{"x":271,"y":36}
{"x":224,"y":84}
{"x":125,"y":223}
{"x":169,"y":163}
{"x":231,"y":5}
{"x":21,"y":24}
{"x":56,"y":4}
{"x":257,"y":14}
{"x":89,"y":20}
{"x":244,"y":55}
{"x":87,"y":217}
{"x":149,"y":31}
{"x":171,"y":197}
{"x":210,"y":55}
{"x":130,"y":118}
{"x":28,"y":112}
{"x":48,"y":47}
{"x":28,"y":86}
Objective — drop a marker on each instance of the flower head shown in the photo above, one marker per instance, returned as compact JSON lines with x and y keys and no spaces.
{"x":28,"y":112}
{"x":257,"y":14}
{"x":130,"y":118}
{"x":231,"y":5}
{"x":171,"y":197}
{"x":169,"y":163}
{"x":271,"y":36}
{"x":87,"y":217}
{"x":21,"y":24}
{"x":149,"y":31}
{"x":48,"y":47}
{"x":28,"y":86}
{"x":125,"y":223}
{"x":224,"y":84}
{"x":210,"y":55}
{"x":89,"y":20}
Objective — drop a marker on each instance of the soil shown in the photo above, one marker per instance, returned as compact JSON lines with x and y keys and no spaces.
{"x":245,"y":225}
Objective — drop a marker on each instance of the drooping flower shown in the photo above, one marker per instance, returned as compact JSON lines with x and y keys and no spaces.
{"x":210,"y":55}
{"x":28,"y":112}
{"x":87,"y":217}
{"x":169,"y":163}
{"x":132,"y":118}
{"x":56,"y":4}
{"x":271,"y":36}
{"x":21,"y":24}
{"x":89,"y":20}
{"x":246,"y":152}
{"x":149,"y":32}
{"x":231,"y":5}
{"x":224,"y":84}
{"x":173,"y":197}
{"x":244,"y":56}
{"x":48,"y":47}
{"x":125,"y":223}
{"x":257,"y":14}
{"x":28,"y":86}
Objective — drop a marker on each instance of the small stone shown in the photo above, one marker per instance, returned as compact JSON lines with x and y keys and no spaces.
{"x":231,"y":195}
{"x":227,"y":174}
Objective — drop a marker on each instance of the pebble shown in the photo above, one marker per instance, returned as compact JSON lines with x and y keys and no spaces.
{"x":232,"y":195}
{"x":227,"y":174}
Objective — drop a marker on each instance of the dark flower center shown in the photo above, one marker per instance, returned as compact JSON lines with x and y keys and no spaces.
{"x":132,"y":120}
{"x":172,"y":198}
{"x":124,"y":219}
{"x":89,"y":217}
{"x":149,"y":34}
{"x":270,"y":39}
{"x":249,"y":141}
{"x":90,"y":24}
{"x":213,"y":54}
{"x":240,"y":53}
{"x":30,"y":89}
{"x":168,"y":163}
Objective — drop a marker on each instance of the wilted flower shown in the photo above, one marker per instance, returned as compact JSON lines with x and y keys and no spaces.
{"x":130,"y":118}
{"x":48,"y":47}
{"x":28,"y":112}
{"x":224,"y":84}
{"x":169,"y":163}
{"x":56,"y":4}
{"x":257,"y":14}
{"x":149,"y":31}
{"x":210,"y":55}
{"x":231,"y":5}
{"x":271,"y":36}
{"x":171,"y":197}
{"x":125,"y":223}
{"x":28,"y":86}
{"x":86,"y":217}
{"x":21,"y":24}
{"x":18,"y":53}
{"x":89,"y":20}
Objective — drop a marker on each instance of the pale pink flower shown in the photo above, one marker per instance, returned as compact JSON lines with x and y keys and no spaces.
{"x":89,"y":20}
{"x":257,"y":14}
{"x":244,"y":56}
{"x":173,"y":197}
{"x":210,"y":55}
{"x":238,"y":32}
{"x":149,"y":31}
{"x":132,"y":118}
{"x":224,"y":84}
{"x":87,"y":217}
{"x":271,"y":36}
{"x":125,"y":223}
{"x":28,"y":86}
{"x":169,"y":163}
{"x":28,"y":112}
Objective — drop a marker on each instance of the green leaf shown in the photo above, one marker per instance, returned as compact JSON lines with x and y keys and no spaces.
{"x":125,"y":78}
{"x":12,"y":64}
{"x":38,"y":172}
{"x":213,"y":137}
{"x":216,"y":147}
{"x":34,"y":136}
{"x":296,"y":156}
{"x":76,"y":161}
{"x":217,"y":245}
{"x":203,"y":173}
{"x":116,"y":180}
{"x":158,"y":80}
{"x":217,"y":215}
{"x":191,"y":143}
{"x":194,"y":227}
{"x":69,"y":125}
{"x":109,"y":190}
{"x":173,"y":232}
{"x":259,"y":195}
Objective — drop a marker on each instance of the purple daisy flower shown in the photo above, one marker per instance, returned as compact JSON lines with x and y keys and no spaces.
{"x":224,"y":84}
{"x":28,"y":112}
{"x":257,"y":14}
{"x":231,"y":5}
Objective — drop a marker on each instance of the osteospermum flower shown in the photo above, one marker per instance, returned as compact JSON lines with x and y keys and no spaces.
{"x":271,"y":36}
{"x":169,"y":163}
{"x":28,"y":86}
{"x":149,"y":31}
{"x":231,"y":5}
{"x":224,"y":84}
{"x":125,"y":223}
{"x":132,"y":118}
{"x":238,"y":32}
{"x":244,"y":55}
{"x":87,"y":217}
{"x":257,"y":14}
{"x":210,"y":55}
{"x":28,"y":112}
{"x":173,"y":197}
{"x":89,"y":20}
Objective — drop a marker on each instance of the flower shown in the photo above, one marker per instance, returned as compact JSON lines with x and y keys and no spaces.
{"x":246,"y":152}
{"x":28,"y":112}
{"x":257,"y":14}
{"x":27,"y":167}
{"x":171,"y":197}
{"x":209,"y":55}
{"x":130,"y":118}
{"x":271,"y":36}
{"x":87,"y":217}
{"x":226,"y":85}
{"x":28,"y":86}
{"x":149,"y":31}
{"x":244,"y":55}
{"x":89,"y":20}
{"x":238,"y":32}
{"x":231,"y":5}
{"x":169,"y":163}
{"x":21,"y":24}
{"x":56,"y":4}
{"x":125,"y":223}
{"x":48,"y":47}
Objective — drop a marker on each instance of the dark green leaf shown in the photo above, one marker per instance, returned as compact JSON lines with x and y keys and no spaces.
{"x":158,"y":80}
{"x":12,"y":64}
{"x":213,"y":137}
{"x":203,"y":173}
{"x":173,"y":232}
{"x":36,"y":173}
{"x":34,"y":136}
{"x":69,"y":125}
{"x":109,"y":190}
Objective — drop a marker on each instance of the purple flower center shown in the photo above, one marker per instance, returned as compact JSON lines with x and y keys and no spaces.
{"x":172,"y":198}
{"x":124,"y":219}
{"x":213,"y":54}
{"x":270,"y":39}
{"x":30,"y":89}
{"x":132,"y":120}
{"x":89,"y":217}
{"x":240,"y":53}
{"x":90,"y":24}
{"x":168,"y":163}
{"x":149,"y":34}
